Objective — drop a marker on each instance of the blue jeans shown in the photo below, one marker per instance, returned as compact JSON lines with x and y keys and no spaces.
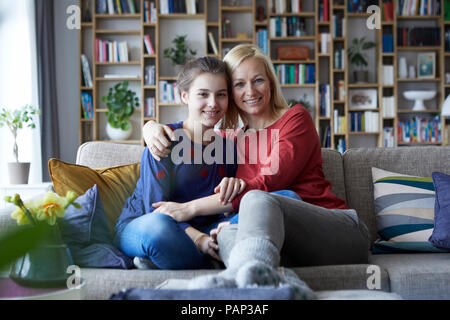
{"x":160,"y":238}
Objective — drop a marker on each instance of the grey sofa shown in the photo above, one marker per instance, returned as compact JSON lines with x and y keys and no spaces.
{"x":412,"y":276}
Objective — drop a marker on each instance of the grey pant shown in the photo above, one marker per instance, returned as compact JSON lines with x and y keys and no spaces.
{"x":305,"y":234}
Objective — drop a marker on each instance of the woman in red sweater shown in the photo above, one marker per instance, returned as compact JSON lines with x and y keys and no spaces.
{"x":319,"y":229}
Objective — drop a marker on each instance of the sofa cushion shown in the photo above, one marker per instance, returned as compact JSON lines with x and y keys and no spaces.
{"x":87,"y":234}
{"x":417,"y":275}
{"x":404,"y":206}
{"x":417,"y":161}
{"x":441,"y":233}
{"x":333,"y":169}
{"x":115,"y":184}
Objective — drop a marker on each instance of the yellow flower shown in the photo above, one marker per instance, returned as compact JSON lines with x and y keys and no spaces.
{"x":20,"y":216}
{"x":50,"y":207}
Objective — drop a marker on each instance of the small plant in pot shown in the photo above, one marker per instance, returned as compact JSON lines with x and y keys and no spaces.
{"x":120,"y":102}
{"x":358,"y":58}
{"x":180,"y":53}
{"x":15,"y":120}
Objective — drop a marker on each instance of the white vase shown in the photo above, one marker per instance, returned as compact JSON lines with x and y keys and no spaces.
{"x":118,"y":134}
{"x":402,"y":68}
{"x":412,"y":72}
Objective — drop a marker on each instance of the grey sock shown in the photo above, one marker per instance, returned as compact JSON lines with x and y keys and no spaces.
{"x":301,"y":289}
{"x":144,"y":263}
{"x":249,"y":249}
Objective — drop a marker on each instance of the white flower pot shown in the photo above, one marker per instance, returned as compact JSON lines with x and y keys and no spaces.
{"x":18,"y":172}
{"x":118,"y":134}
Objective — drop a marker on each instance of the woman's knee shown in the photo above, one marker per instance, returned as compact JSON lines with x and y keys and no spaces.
{"x":255,"y":196}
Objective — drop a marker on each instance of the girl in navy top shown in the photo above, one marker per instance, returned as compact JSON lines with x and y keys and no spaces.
{"x":199,"y":162}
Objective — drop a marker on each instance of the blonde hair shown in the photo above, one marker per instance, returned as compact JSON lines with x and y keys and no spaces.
{"x":233,"y":59}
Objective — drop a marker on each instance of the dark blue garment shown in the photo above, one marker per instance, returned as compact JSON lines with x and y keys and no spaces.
{"x":168,"y":180}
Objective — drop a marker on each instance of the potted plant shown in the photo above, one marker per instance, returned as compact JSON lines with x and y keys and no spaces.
{"x":15,"y":120}
{"x":120,"y":102}
{"x":180,"y":53}
{"x":358,"y":58}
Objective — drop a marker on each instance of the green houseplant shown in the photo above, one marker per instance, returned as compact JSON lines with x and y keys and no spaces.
{"x":120,"y":102}
{"x":181,"y":52}
{"x":358,"y":58}
{"x":15,"y":120}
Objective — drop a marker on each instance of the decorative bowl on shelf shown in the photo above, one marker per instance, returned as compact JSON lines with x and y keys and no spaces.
{"x":419,"y":96}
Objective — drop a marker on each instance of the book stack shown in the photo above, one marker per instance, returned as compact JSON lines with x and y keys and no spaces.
{"x":87,"y":77}
{"x":295,"y":73}
{"x":388,"y":43}
{"x":286,"y":6}
{"x":149,"y":75}
{"x":149,"y":11}
{"x":419,"y":7}
{"x":418,"y":36}
{"x":339,"y":59}
{"x":149,"y":107}
{"x":387,"y":75}
{"x":116,"y":7}
{"x":287,"y":27}
{"x":388,"y":106}
{"x":324,"y":10}
{"x":111,"y":51}
{"x":420,"y":129}
{"x":178,"y":6}
{"x":325,"y":42}
{"x":168,"y":92}
{"x":339,"y":122}
{"x":364,"y":121}
{"x":338,"y":27}
{"x":86,"y":105}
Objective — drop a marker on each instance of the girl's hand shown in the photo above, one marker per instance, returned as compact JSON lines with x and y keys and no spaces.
{"x":229,"y":188}
{"x":179,"y":211}
{"x":207,"y":246}
{"x":157,"y":137}
{"x":215,"y":232}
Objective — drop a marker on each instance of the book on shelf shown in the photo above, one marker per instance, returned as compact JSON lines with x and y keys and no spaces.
{"x":420,"y":129}
{"x":149,"y":75}
{"x":86,"y":105}
{"x":212,"y":43}
{"x":116,"y":7}
{"x":168,"y":92}
{"x":388,"y":137}
{"x":418,"y":36}
{"x":340,"y":90}
{"x":226,"y":28}
{"x":339,"y":122}
{"x":341,"y":145}
{"x":149,"y":107}
{"x":387,"y":11}
{"x":261,"y":39}
{"x":325,"y":100}
{"x":388,"y":43}
{"x":364,"y":121}
{"x":325,"y":42}
{"x":87,"y":77}
{"x":178,"y":6}
{"x":388,"y":106}
{"x":148,"y":44}
{"x":326,"y":137}
{"x":286,"y":6}
{"x":111,"y":51}
{"x":338,"y":26}
{"x":339,"y":59}
{"x":295,"y":73}
{"x":360,"y":6}
{"x":149,"y":11}
{"x":419,"y":7}
{"x":324,"y":10}
{"x":387,"y":75}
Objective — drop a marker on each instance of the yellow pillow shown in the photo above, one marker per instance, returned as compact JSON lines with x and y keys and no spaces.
{"x":115,"y":184}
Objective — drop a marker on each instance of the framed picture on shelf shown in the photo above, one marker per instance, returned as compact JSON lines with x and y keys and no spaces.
{"x":426,"y":65}
{"x":363,"y":99}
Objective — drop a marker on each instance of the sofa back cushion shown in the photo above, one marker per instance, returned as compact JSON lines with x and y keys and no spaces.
{"x":358,"y":163}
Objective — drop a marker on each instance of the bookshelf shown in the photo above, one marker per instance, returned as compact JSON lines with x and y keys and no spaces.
{"x":325,"y":27}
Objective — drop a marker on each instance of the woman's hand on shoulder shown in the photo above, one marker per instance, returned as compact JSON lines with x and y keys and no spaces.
{"x":158,"y":138}
{"x":229,"y":188}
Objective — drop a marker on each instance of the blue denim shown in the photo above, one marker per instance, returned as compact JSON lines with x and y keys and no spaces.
{"x":160,"y":238}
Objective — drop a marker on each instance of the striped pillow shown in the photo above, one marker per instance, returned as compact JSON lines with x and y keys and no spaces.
{"x":404,"y":207}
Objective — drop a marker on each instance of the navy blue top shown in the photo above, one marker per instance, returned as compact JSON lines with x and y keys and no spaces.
{"x":182,"y":176}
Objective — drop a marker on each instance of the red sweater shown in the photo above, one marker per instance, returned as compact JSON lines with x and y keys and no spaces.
{"x":296,"y":161}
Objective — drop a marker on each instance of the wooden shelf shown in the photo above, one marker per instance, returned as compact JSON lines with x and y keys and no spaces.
{"x":181,"y":16}
{"x":118,"y":16}
{"x":292,"y":38}
{"x":362,"y":85}
{"x":236,"y":40}
{"x":418,"y":79}
{"x":417,"y":111}
{"x":119,"y":32}
{"x":294,"y":14}
{"x":425,"y":17}
{"x":130,"y":63}
{"x":416,"y":48}
{"x":237,"y":8}
{"x":118,"y":79}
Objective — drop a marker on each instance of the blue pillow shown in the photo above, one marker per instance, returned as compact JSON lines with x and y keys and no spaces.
{"x":440,"y":237}
{"x":87,"y":234}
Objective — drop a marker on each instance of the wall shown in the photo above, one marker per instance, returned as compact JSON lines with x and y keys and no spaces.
{"x":66,"y":51}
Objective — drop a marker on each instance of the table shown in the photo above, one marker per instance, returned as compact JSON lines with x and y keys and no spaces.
{"x":9,"y":290}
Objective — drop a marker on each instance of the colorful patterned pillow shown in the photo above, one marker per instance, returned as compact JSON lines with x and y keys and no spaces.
{"x":404,"y":207}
